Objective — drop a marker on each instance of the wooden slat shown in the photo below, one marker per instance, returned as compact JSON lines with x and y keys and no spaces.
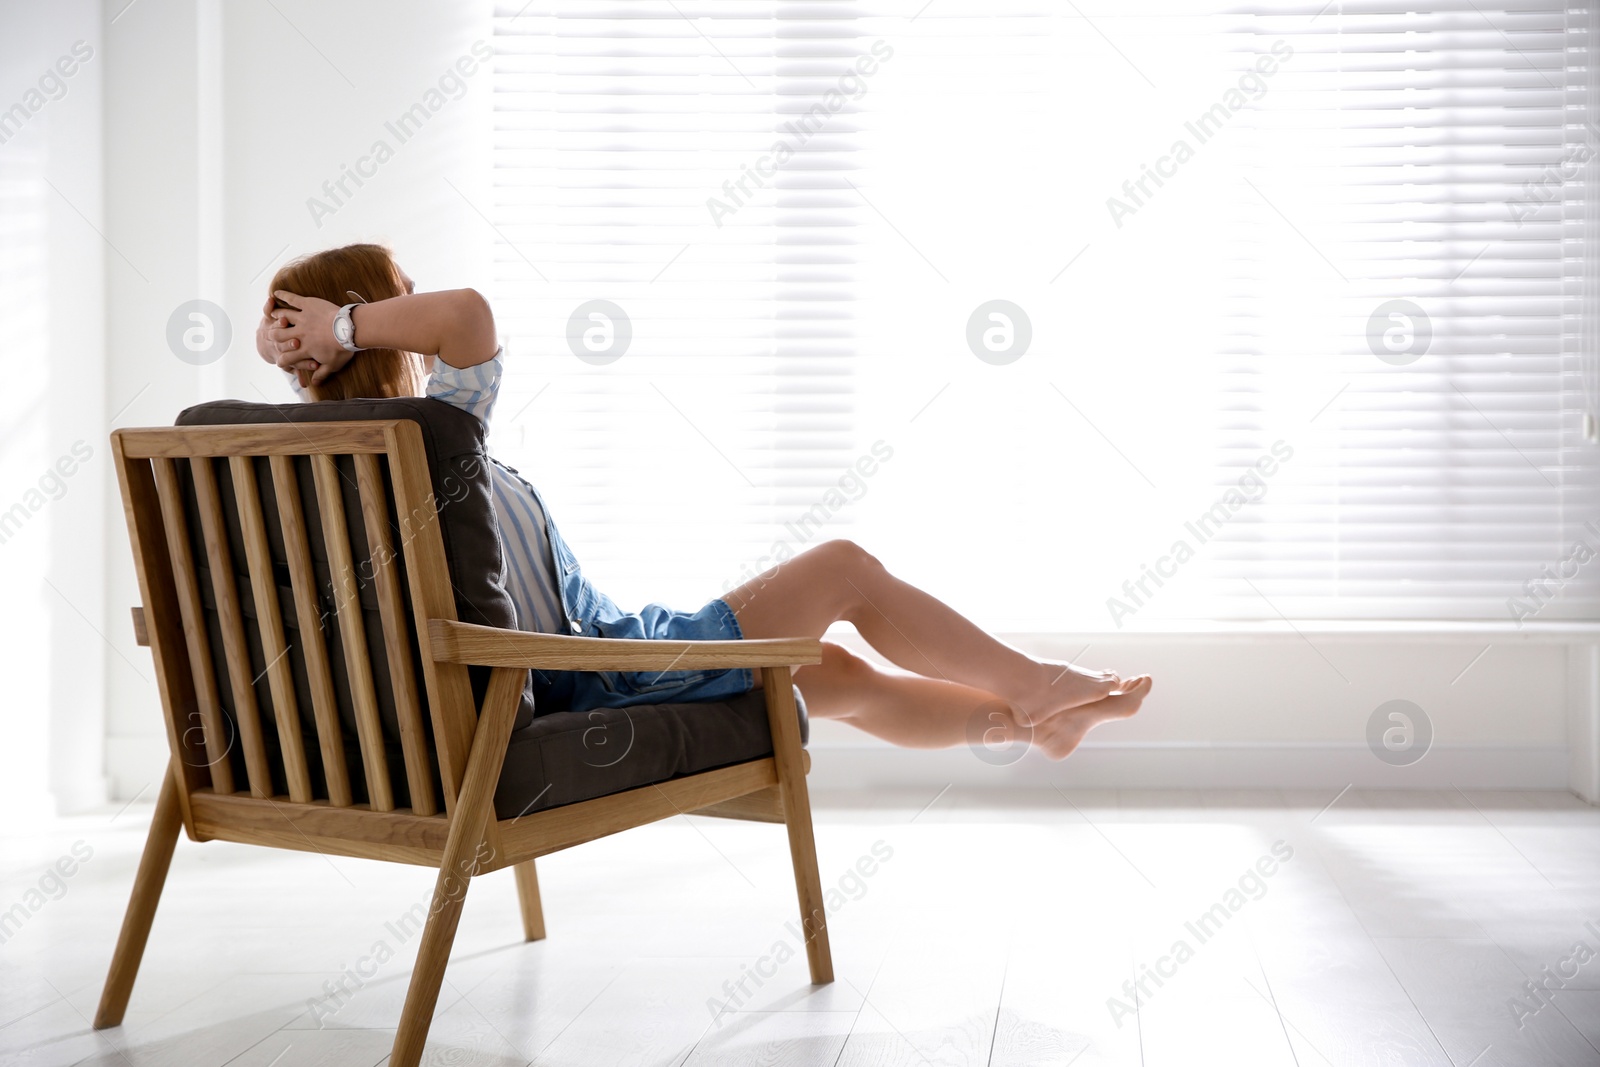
{"x":319,"y":826}
{"x":762,"y":806}
{"x":352,"y":632}
{"x":464,"y":642}
{"x":544,"y":832}
{"x":403,"y":677}
{"x":285,"y":837}
{"x":313,"y":641}
{"x":450,"y":700}
{"x":141,"y":508}
{"x":141,"y":632}
{"x":180,"y":442}
{"x":208,"y":710}
{"x":231,"y":617}
{"x":269,"y":626}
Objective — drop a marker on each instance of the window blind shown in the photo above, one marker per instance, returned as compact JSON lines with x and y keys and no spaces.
{"x":635,"y":164}
{"x":1297,"y":311}
{"x":1429,"y":156}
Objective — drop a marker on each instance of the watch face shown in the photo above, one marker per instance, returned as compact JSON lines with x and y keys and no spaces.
{"x":343,"y":328}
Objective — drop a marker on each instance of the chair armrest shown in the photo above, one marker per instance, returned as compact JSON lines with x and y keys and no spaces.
{"x":487,"y":646}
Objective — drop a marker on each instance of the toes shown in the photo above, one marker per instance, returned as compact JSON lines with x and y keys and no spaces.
{"x":1132,"y":696}
{"x":1134,"y":693}
{"x":1139,"y":685}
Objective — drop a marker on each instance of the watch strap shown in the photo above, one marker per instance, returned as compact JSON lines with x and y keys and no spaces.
{"x":345,"y":316}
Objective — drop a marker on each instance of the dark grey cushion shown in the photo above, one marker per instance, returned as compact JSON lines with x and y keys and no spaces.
{"x":569,"y":756}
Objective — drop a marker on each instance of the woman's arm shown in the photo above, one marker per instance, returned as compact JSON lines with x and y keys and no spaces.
{"x":456,"y":325}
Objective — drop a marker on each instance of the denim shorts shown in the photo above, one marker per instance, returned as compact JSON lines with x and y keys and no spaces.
{"x":587,"y":690}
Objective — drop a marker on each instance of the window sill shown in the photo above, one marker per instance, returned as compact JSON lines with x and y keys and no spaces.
{"x":1363,"y":630}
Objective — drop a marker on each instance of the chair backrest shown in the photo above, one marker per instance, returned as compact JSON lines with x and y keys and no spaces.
{"x":284,"y":570}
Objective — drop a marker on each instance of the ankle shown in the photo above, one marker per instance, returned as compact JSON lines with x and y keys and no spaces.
{"x":1040,"y":696}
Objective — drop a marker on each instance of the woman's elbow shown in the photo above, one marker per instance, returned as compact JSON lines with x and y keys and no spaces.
{"x":475,"y":318}
{"x":475,"y":309}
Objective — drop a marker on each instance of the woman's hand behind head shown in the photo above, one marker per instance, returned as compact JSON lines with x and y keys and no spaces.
{"x":304,"y":335}
{"x":286,"y":357}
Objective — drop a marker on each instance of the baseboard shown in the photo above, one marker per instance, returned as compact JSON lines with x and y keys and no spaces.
{"x":1196,"y":766}
{"x":89,"y":795}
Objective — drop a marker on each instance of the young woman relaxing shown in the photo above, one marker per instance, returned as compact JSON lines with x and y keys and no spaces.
{"x":347,"y":323}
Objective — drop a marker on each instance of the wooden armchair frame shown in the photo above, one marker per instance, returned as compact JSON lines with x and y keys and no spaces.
{"x":463,"y":840}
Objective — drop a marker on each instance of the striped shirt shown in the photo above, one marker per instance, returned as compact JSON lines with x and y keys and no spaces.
{"x":531,"y":572}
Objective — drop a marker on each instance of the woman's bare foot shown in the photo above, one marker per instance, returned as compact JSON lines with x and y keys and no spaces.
{"x":1058,"y":735}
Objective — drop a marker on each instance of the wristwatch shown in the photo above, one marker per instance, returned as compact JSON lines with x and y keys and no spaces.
{"x":344,"y":329}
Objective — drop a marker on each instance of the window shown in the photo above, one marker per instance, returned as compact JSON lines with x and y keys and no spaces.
{"x":684,"y":422}
{"x":1295,"y":307}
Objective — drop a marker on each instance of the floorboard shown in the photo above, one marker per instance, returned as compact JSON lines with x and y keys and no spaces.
{"x":1105,"y":928}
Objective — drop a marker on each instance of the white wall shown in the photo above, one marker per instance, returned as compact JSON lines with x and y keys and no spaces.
{"x":52,"y":262}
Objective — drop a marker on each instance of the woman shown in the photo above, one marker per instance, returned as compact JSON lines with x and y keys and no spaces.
{"x":348,"y":323}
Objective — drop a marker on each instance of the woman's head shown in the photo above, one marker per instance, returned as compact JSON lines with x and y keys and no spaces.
{"x":356,"y":274}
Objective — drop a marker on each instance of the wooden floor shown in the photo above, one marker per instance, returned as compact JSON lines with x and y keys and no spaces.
{"x":1395,"y":928}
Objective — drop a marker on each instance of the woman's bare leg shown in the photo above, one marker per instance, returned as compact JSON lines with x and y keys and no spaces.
{"x":838,"y":581}
{"x":914,"y":711}
{"x":909,"y":710}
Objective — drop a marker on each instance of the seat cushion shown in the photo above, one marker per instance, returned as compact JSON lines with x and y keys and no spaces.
{"x":568,"y":756}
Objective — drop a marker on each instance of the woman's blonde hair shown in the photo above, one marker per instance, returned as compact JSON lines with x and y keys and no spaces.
{"x":359,"y":273}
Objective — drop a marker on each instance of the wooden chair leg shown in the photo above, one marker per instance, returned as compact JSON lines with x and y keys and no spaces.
{"x":463,"y":854}
{"x":147,"y":885}
{"x":528,"y":896}
{"x":785,"y":725}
